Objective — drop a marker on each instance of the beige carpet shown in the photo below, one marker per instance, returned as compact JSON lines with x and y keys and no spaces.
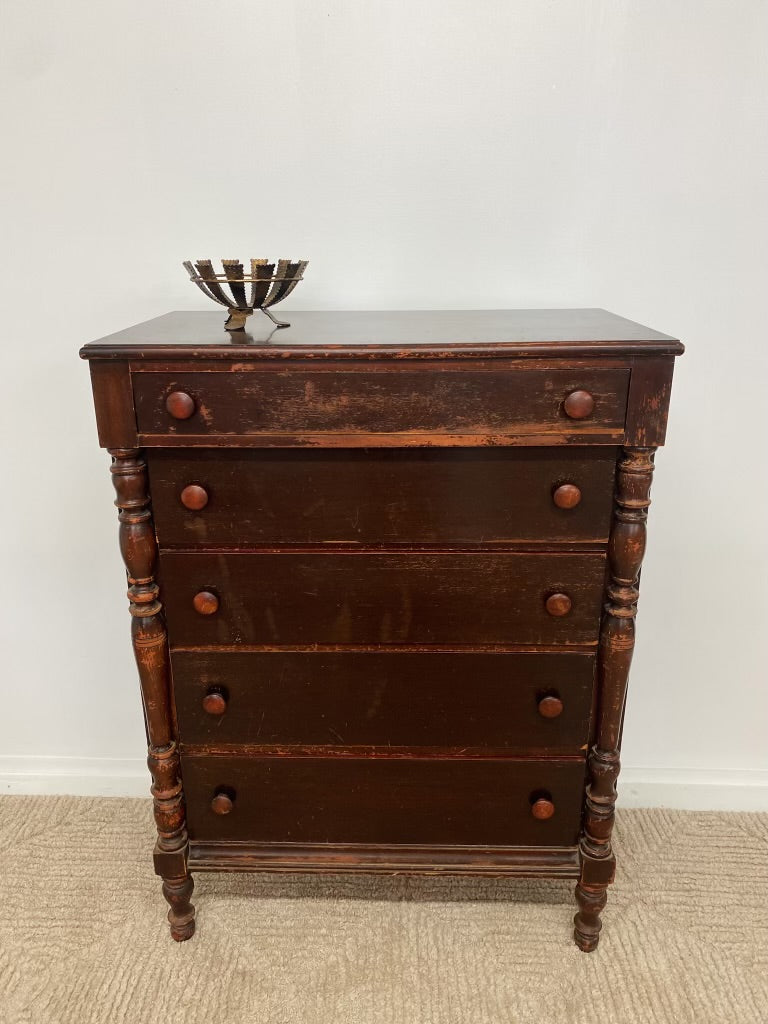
{"x":83,"y":938}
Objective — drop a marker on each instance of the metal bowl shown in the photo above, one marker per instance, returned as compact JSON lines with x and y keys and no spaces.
{"x":268,"y":286}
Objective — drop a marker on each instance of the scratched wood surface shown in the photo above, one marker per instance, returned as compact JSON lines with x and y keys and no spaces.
{"x":385,"y":598}
{"x":445,"y":800}
{"x":387,"y":700}
{"x":398,"y":563}
{"x":404,"y":496}
{"x":399,"y":334}
{"x":287,"y":401}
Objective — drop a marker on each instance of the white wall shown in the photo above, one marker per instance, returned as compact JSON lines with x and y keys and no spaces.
{"x":421,"y":153}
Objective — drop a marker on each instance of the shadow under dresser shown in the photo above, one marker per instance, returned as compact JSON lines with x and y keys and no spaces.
{"x":383,"y":574}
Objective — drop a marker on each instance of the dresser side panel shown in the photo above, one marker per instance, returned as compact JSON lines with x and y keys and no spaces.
{"x":113,"y":402}
{"x":650,"y":386}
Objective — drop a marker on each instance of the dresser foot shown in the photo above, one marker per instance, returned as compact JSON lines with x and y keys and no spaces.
{"x":181,"y":916}
{"x":587,"y":924}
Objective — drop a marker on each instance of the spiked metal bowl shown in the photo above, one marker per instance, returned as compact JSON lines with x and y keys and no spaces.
{"x":267,"y":286}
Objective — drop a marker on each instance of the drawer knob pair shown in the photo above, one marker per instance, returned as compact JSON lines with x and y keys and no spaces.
{"x":215,"y":703}
{"x":578,"y":405}
{"x":206,"y":603}
{"x":180,"y":405}
{"x":195,"y":497}
{"x":542,"y":808}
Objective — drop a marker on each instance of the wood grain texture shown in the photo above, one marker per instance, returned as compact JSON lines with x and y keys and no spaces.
{"x":292,"y":401}
{"x":388,"y":859}
{"x":150,"y":645}
{"x":384,"y":598}
{"x":328,"y":439}
{"x":383,"y":497}
{"x":617,"y":642}
{"x":387,"y":335}
{"x":179,"y":405}
{"x":579,"y":405}
{"x":386,"y":543}
{"x":387,"y":800}
{"x":113,"y":403}
{"x":650,"y":389}
{"x":567,"y":496}
{"x":400,"y":699}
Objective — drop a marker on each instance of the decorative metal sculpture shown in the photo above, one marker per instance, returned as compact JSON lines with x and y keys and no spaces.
{"x":267,"y":286}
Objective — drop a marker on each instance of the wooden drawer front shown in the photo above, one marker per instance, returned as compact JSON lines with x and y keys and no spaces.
{"x":363,"y":598}
{"x":390,"y":700}
{"x":380,"y":496}
{"x":383,"y":800}
{"x":296,"y":403}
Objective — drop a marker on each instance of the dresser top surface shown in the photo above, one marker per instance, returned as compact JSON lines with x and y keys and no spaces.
{"x":401,"y":334}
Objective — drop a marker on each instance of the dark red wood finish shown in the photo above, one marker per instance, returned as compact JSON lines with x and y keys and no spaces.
{"x":383,"y":800}
{"x":567,"y":496}
{"x":181,"y":406}
{"x":399,"y":559}
{"x":382,"y":598}
{"x":579,"y":405}
{"x":311,"y":401}
{"x":399,"y":699}
{"x":462,"y":496}
{"x":195,"y":498}
{"x":617,"y":642}
{"x":450,"y":335}
{"x":150,"y":645}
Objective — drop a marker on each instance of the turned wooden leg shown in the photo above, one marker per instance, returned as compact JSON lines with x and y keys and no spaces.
{"x":150,"y":647}
{"x":181,"y":916}
{"x":587,"y":924}
{"x":626,"y":548}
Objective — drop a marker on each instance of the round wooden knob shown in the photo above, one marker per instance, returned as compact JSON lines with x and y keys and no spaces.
{"x":550,"y":706}
{"x":194,"y":497}
{"x":215,"y":703}
{"x":180,"y":405}
{"x":542,"y":808}
{"x":564,"y":496}
{"x":578,"y":405}
{"x":205,"y":603}
{"x":558,"y":604}
{"x":222,"y":803}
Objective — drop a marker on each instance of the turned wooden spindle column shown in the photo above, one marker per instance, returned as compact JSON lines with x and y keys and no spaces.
{"x":626,"y":548}
{"x":150,"y":645}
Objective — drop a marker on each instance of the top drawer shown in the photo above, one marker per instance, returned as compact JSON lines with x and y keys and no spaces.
{"x":329,"y":406}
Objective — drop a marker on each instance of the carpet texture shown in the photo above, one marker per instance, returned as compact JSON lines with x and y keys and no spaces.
{"x":83,"y":938}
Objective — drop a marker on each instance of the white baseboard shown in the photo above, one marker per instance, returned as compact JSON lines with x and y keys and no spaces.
{"x":74,"y":776}
{"x":694,"y":789}
{"x":697,"y":789}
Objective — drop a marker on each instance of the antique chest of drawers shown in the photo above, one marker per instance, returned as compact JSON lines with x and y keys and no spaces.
{"x":382,"y":572}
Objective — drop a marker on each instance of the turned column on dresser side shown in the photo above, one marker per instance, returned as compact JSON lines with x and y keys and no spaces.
{"x":626,"y":548}
{"x":150,"y":645}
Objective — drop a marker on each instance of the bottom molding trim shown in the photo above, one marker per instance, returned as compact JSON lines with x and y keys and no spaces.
{"x":520,"y":862}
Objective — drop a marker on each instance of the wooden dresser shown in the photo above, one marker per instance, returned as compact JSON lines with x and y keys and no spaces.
{"x":382,"y":572}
